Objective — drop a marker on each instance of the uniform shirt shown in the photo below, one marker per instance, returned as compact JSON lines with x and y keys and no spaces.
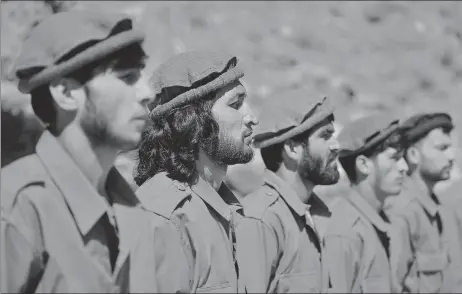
{"x":452,"y":234}
{"x":69,"y":234}
{"x":204,"y":258}
{"x":356,"y":245}
{"x":419,"y":253}
{"x":279,"y":249}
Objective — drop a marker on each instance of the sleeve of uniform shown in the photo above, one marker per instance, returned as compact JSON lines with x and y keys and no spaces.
{"x":257,"y":249}
{"x":342,"y":259}
{"x":173,"y":259}
{"x":23,"y":258}
{"x":401,"y":255}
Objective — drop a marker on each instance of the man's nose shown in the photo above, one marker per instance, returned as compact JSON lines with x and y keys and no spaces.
{"x":144,"y":93}
{"x":249,"y":118}
{"x":402,"y":165}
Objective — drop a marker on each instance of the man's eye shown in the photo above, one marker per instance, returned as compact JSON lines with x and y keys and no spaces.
{"x":130,"y":78}
{"x":327,"y":135}
{"x":236,"y":105}
{"x":443,"y":147}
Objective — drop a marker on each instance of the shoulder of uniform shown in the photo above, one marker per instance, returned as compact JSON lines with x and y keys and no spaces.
{"x":162,"y":195}
{"x":19,"y":175}
{"x":400,"y":204}
{"x":344,"y":218}
{"x":256,"y":203}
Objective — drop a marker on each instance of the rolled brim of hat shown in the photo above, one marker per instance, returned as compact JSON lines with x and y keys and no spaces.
{"x":280,"y":133}
{"x":355,"y":145}
{"x":228,"y":77}
{"x":413,"y":131}
{"x":89,"y":55}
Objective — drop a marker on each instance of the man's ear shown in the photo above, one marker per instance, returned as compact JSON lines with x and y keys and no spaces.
{"x":413,"y":155}
{"x":363,"y":165}
{"x":293,"y":150}
{"x":67,"y":93}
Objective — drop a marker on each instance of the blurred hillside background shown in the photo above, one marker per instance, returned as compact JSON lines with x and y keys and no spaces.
{"x":368,"y":56}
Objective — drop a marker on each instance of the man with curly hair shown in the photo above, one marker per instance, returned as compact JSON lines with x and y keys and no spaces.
{"x":201,"y":125}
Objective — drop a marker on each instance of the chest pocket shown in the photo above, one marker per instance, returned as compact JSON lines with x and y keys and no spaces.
{"x":376,"y":284}
{"x":221,"y":288}
{"x":430,"y":268}
{"x":306,"y":282}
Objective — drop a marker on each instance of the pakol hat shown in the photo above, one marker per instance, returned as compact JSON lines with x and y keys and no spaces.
{"x":189,"y":76}
{"x":420,"y":124}
{"x":290,"y":114}
{"x":365,"y":133}
{"x":67,"y":41}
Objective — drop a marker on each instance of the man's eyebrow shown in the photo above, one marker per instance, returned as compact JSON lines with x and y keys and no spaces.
{"x":237,"y":96}
{"x":329,"y":129}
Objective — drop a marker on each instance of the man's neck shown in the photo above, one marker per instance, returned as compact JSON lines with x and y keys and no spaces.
{"x":302,"y":187}
{"x":367,"y":193}
{"x":210,"y":170}
{"x":421,"y":183}
{"x":95,"y":162}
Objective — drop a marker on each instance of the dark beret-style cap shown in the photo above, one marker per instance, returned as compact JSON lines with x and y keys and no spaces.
{"x":288,"y":115}
{"x":67,"y":41}
{"x":420,"y":124}
{"x":365,"y":133}
{"x":192,"y":75}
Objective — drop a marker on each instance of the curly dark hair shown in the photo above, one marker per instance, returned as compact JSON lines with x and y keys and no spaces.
{"x":172,"y":143}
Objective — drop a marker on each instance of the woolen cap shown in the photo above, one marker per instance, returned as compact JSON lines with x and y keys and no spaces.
{"x":189,"y":76}
{"x":365,"y":133}
{"x":420,"y":124}
{"x":290,"y":114}
{"x":67,"y":41}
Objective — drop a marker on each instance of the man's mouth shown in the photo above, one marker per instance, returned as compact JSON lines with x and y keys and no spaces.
{"x":248,"y":133}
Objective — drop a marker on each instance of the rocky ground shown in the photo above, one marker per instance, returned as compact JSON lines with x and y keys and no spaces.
{"x":397,"y":57}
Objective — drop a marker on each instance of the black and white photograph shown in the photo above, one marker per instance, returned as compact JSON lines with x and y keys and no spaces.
{"x":231,"y":147}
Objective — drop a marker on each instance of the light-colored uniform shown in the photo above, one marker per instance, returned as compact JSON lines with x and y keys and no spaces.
{"x":204,"y":259}
{"x":59,"y":234}
{"x":279,"y":248}
{"x":421,"y":250}
{"x":356,"y":247}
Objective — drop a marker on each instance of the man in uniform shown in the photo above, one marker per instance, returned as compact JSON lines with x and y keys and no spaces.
{"x":421,"y":252}
{"x":451,"y":199}
{"x":201,"y":124}
{"x":279,"y":243}
{"x":68,"y":217}
{"x":356,"y":241}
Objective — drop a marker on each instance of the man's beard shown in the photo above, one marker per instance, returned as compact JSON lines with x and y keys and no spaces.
{"x":442,"y":175}
{"x":313,"y":169}
{"x":225,"y":151}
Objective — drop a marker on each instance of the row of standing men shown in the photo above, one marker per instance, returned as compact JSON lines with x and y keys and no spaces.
{"x":71,"y":223}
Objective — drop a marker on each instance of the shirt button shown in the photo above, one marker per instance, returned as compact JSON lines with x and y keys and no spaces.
{"x":179,"y":186}
{"x":269,"y":193}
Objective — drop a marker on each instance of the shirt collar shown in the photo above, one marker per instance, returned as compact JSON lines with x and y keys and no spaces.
{"x":86,"y":204}
{"x":220,"y":200}
{"x":318,"y":207}
{"x":286,"y":192}
{"x":422,"y":196}
{"x":373,"y":216}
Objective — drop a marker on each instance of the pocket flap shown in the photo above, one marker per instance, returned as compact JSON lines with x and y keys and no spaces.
{"x":221,"y":288}
{"x":432,"y":262}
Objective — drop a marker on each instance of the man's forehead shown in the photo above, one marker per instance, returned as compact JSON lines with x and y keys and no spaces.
{"x":326,"y":124}
{"x":232,"y":89}
{"x":439,"y":136}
